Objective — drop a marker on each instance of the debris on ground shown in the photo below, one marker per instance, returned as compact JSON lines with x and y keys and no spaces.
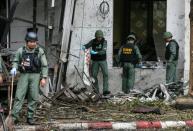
{"x":166,"y":92}
{"x":147,"y":109}
{"x":67,"y":105}
{"x":107,"y":111}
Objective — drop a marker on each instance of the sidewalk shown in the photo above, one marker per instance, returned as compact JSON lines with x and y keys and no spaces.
{"x":109,"y":125}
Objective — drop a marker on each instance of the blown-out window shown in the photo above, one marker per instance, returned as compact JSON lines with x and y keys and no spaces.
{"x":146,"y":19}
{"x":4,"y":10}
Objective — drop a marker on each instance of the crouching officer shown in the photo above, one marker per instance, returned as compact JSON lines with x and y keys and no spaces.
{"x":129,"y":56}
{"x":31,"y":61}
{"x":98,"y":57}
{"x":171,"y":56}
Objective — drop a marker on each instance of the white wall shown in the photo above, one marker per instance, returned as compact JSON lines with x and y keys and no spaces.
{"x":176,"y":24}
{"x":187,"y":43}
{"x":187,"y":40}
{"x":86,"y":21}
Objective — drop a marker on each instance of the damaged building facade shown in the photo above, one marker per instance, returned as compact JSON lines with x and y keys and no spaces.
{"x":65,"y":25}
{"x":148,"y":19}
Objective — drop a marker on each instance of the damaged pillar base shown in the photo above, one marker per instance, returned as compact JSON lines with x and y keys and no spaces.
{"x":185,"y":102}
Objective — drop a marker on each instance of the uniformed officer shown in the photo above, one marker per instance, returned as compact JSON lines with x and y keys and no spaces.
{"x":98,"y":57}
{"x":171,"y":56}
{"x":129,"y":56}
{"x":30,"y":61}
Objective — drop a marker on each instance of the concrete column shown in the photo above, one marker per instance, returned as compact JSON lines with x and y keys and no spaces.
{"x":187,"y":43}
{"x":176,"y":16}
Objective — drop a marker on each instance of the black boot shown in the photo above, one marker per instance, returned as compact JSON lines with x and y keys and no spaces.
{"x":15,"y":121}
{"x":106,"y":93}
{"x":30,"y":121}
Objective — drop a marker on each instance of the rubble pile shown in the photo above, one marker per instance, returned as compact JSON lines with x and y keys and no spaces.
{"x":68,"y":105}
{"x":122,"y":108}
{"x":166,"y":92}
{"x":73,"y":94}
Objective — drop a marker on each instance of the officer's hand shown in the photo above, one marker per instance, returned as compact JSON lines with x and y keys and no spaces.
{"x":83,"y":48}
{"x":1,"y":78}
{"x":43,"y":82}
{"x":92,"y":52}
{"x":13,"y":71}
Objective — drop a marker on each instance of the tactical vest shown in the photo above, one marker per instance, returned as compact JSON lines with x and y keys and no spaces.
{"x":168,"y":53}
{"x":96,"y":46}
{"x":30,"y":63}
{"x":128,"y":54}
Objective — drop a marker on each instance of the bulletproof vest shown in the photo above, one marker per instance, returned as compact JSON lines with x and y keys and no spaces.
{"x":30,"y":62}
{"x":168,"y":53}
{"x":98,"y":46}
{"x":128,"y":54}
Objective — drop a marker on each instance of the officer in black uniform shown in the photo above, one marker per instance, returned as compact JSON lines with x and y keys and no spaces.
{"x":129,"y":56}
{"x":98,"y":57}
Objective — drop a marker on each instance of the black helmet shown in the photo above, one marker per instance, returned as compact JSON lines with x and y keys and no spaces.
{"x":31,"y":36}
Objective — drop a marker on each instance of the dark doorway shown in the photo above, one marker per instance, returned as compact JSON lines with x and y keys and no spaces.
{"x":2,"y":13}
{"x":4,"y":9}
{"x":147,"y":19}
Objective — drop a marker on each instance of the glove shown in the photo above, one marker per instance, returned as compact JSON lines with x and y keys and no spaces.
{"x":13,"y":71}
{"x":43,"y":82}
{"x":83,"y":47}
{"x":92,"y":52}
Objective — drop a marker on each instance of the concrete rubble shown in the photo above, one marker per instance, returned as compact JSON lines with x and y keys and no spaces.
{"x":66,"y":109}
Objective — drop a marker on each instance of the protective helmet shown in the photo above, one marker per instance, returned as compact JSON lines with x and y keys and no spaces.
{"x":167,"y":35}
{"x":131,"y":37}
{"x":31,"y":36}
{"x":99,"y":33}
